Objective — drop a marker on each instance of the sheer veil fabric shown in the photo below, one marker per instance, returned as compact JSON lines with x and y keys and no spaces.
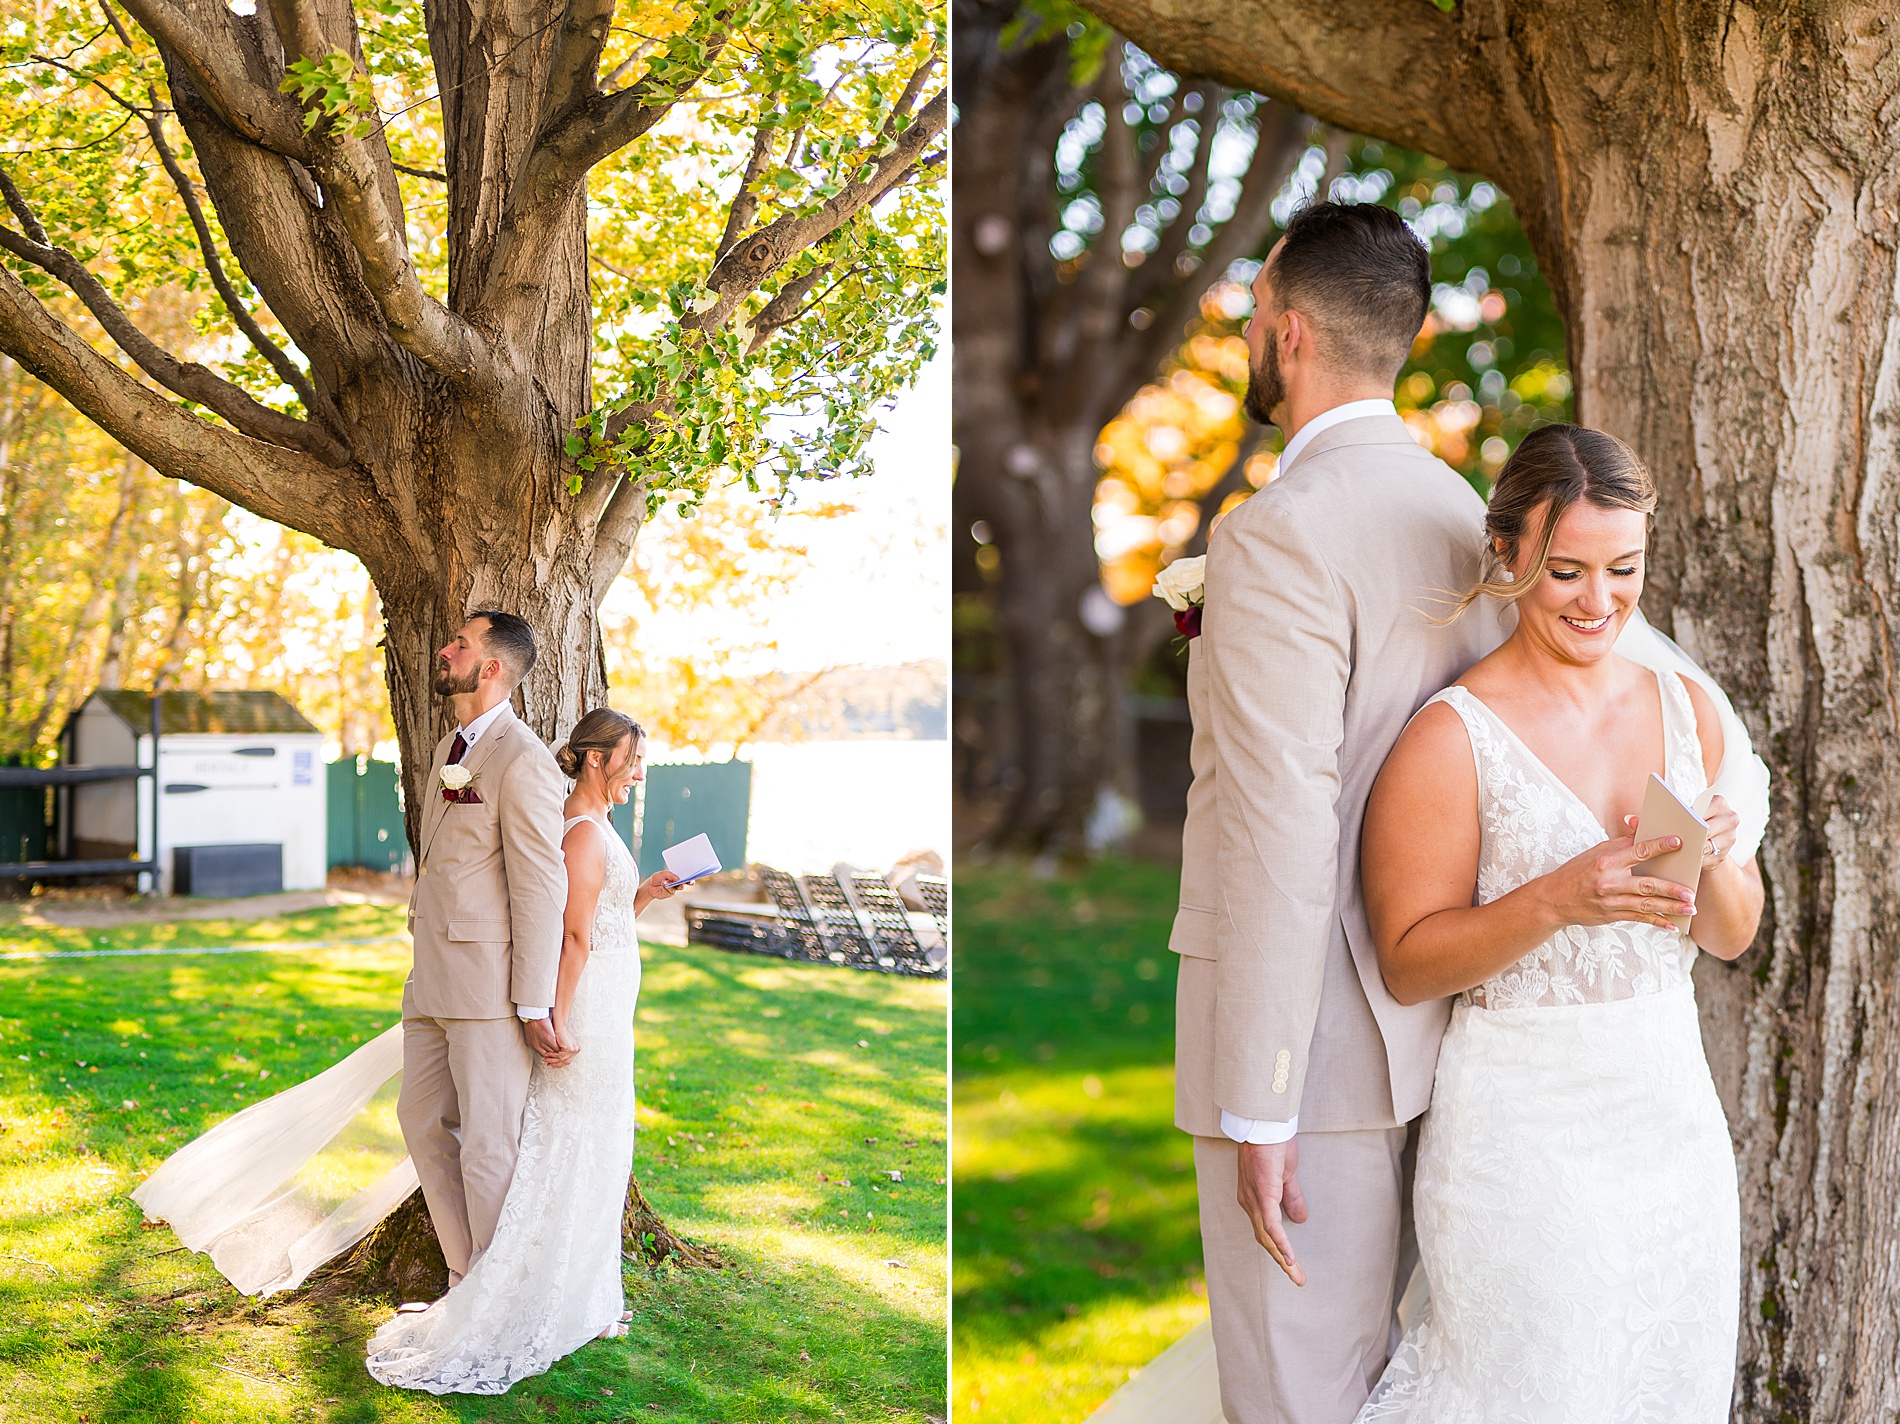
{"x":253,"y":1193}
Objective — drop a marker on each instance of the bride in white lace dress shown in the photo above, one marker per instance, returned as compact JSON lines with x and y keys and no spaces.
{"x":550,"y":1282}
{"x":1575,"y":1200}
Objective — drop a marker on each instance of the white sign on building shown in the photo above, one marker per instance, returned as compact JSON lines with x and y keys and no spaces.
{"x":234,"y":769}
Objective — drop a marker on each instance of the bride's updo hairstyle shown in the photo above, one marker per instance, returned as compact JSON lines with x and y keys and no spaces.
{"x":602,"y":730}
{"x":1553,"y":467}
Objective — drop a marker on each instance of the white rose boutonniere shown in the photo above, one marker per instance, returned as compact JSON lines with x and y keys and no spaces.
{"x":456,"y":783}
{"x":1182,"y":585}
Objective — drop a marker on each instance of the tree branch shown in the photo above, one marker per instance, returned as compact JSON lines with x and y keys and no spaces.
{"x":185,"y":378}
{"x":265,"y":477}
{"x":1281,"y":139}
{"x":202,"y":36}
{"x":574,"y":75}
{"x":368,"y":206}
{"x":752,"y":259}
{"x":745,"y":202}
{"x":595,"y":125}
{"x":614,"y":535}
{"x":1376,"y":66}
{"x":318,"y":404}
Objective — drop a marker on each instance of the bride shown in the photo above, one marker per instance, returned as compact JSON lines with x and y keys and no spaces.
{"x":551,"y":1279}
{"x":1575,"y":1203}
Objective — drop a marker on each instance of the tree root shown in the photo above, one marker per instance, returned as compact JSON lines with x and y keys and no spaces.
{"x":644,"y":1236}
{"x":402,"y":1260}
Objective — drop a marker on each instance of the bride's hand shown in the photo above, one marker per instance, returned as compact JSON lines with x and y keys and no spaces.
{"x":1725,"y":824}
{"x":661,"y":885}
{"x":565,"y":1046}
{"x":1599,"y":887}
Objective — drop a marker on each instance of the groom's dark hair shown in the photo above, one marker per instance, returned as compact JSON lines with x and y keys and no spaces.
{"x":510,"y":639}
{"x":1361,"y":276}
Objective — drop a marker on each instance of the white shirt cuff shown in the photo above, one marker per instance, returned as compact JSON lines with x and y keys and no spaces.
{"x":1258,"y":1131}
{"x":522,"y":1011}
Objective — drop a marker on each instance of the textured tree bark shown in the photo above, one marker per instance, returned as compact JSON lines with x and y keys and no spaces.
{"x":1712,"y":189}
{"x":1045,"y":354}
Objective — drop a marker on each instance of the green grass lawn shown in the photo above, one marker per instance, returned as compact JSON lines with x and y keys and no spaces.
{"x":788,"y":1093}
{"x":1077,"y":1247}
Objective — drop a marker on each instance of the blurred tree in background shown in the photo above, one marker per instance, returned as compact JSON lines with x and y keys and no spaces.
{"x":1100,"y":370}
{"x":1096,"y":197}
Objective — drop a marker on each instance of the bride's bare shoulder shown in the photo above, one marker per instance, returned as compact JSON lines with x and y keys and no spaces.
{"x":1434,"y":751}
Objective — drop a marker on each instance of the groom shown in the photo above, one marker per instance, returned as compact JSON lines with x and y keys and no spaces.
{"x":1296,"y":1072}
{"x":491,"y":887}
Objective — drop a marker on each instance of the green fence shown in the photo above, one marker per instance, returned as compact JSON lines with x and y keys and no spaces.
{"x":679,"y":802}
{"x":683,"y":801}
{"x":365,"y":814}
{"x":22,"y":820}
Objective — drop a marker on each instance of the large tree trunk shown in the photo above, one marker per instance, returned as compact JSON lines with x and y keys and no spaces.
{"x":1712,"y":191}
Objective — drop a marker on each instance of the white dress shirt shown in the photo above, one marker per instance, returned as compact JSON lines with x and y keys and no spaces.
{"x":472,"y":734}
{"x":1263,"y":1131}
{"x":1326,"y":420}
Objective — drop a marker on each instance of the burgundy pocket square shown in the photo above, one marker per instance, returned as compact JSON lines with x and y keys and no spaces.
{"x":467,"y":796}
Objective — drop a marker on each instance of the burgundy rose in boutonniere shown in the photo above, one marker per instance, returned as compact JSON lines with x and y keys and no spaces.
{"x":1182,"y":585}
{"x":458,"y":786}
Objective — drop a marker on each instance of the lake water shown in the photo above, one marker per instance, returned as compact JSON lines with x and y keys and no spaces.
{"x":865,"y":802}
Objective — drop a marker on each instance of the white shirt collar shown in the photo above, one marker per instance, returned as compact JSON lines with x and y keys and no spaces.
{"x":472,"y":733}
{"x":1326,"y":420}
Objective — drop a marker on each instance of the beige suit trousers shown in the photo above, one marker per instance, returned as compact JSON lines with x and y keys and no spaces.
{"x":464,"y":1085}
{"x":1308,"y":1355}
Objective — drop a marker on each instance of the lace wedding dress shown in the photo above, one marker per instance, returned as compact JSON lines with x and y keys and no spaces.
{"x":1576,"y":1204}
{"x":551,"y":1279}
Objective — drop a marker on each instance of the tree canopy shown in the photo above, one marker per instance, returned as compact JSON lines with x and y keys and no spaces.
{"x":696,"y":385}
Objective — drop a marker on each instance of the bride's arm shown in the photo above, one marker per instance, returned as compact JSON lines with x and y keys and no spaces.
{"x":586,"y":867}
{"x":1419,"y":867}
{"x":1729,"y":897}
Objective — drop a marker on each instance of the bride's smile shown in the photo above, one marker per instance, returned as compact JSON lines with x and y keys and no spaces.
{"x":1592,"y":581}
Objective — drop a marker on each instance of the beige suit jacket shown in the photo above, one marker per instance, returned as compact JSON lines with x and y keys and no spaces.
{"x":1316,"y":650}
{"x":491,"y":884}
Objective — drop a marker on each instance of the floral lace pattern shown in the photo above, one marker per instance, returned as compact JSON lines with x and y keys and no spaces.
{"x":1575,"y":1201}
{"x":1531,"y":823}
{"x":551,"y":1280}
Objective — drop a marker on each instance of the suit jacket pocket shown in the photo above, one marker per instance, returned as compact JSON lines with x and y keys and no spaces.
{"x":1193,"y":932}
{"x":481,"y":931}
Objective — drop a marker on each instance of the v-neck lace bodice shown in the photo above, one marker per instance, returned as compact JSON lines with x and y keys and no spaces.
{"x":1531,"y":823}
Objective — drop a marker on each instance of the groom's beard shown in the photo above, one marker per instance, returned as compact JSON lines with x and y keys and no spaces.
{"x":448,"y":685}
{"x":1266,"y":391}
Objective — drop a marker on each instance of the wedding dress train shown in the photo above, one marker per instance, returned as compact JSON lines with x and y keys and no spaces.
{"x":550,"y":1281}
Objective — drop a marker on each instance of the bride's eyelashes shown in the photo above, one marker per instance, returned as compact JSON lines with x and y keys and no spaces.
{"x":1572,"y":575}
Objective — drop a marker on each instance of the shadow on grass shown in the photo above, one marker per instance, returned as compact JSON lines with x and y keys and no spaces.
{"x":789,"y":1095}
{"x":1075,"y":1198}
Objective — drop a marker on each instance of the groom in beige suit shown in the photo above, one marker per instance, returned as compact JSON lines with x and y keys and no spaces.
{"x":1296,"y":1071}
{"x":491,"y":887}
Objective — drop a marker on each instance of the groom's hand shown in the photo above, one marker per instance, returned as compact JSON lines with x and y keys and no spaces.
{"x":540,"y":1034}
{"x":1270,"y":1189}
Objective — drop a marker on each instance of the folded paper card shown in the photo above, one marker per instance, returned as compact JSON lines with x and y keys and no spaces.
{"x":691,"y":859}
{"x":1664,"y":814}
